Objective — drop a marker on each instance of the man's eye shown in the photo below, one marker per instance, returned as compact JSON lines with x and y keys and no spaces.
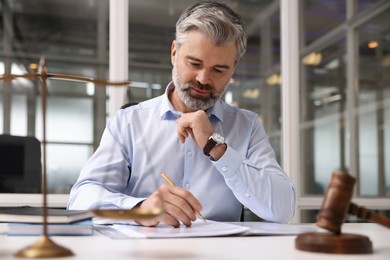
{"x":195,"y":65}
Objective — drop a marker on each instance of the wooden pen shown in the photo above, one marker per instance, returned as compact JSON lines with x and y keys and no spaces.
{"x":169,"y":181}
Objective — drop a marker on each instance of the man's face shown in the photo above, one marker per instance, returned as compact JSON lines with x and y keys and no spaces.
{"x":201,"y":70}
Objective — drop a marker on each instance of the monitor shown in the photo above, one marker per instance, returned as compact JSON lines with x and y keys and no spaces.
{"x":20,"y":167}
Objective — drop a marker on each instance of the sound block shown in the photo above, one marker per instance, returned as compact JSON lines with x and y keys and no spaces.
{"x":333,"y":244}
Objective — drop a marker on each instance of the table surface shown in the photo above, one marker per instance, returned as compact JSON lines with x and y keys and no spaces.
{"x":99,"y":246}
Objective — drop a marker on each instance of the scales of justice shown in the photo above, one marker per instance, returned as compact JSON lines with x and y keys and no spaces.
{"x":45,"y":247}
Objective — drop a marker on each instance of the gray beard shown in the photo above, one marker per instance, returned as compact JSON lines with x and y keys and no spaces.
{"x":193,"y":102}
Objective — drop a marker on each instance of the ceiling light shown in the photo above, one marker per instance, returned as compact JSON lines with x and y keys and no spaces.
{"x":33,"y":66}
{"x":90,"y":88}
{"x":274,"y":79}
{"x":313,"y":58}
{"x":229,"y":97}
{"x":333,"y":64}
{"x":251,"y":93}
{"x":386,"y":60}
{"x":373,"y":44}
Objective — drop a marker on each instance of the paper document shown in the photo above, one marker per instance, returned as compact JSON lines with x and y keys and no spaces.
{"x":35,"y":215}
{"x":198,"y":229}
{"x":267,"y":228}
{"x":83,"y":227}
{"x":202,"y":229}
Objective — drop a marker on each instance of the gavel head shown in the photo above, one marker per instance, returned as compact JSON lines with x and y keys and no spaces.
{"x":336,"y":202}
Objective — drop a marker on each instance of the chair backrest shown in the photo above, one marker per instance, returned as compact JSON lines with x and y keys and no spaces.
{"x":20,"y":164}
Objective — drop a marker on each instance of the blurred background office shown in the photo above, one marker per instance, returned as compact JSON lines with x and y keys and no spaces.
{"x":342,"y":96}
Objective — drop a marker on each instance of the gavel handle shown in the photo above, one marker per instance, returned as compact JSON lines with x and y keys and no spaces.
{"x":364,"y":213}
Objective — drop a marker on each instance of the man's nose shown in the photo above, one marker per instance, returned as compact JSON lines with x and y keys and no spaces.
{"x":203,"y":77}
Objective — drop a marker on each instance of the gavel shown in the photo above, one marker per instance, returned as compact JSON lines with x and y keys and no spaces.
{"x":335,"y":206}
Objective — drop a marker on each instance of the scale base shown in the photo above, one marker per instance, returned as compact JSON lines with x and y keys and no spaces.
{"x":44,"y":248}
{"x":333,"y":244}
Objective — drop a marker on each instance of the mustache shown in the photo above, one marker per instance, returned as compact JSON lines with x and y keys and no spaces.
{"x":198,"y":85}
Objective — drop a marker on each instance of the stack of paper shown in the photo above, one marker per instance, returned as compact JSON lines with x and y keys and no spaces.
{"x":275,"y":229}
{"x":35,"y":215}
{"x":29,"y":221}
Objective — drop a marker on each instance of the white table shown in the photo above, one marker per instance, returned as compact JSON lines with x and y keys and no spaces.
{"x":241,"y":248}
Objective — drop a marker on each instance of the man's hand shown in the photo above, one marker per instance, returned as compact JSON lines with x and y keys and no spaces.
{"x":197,"y":125}
{"x":178,"y":204}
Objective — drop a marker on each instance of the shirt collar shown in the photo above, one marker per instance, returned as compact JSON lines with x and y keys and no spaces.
{"x":216,"y":111}
{"x":168,"y":111}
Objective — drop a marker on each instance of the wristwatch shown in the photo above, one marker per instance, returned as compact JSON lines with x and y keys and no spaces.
{"x":214,"y":139}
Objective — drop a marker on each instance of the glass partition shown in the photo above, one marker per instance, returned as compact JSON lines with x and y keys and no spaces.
{"x":73,"y":37}
{"x":321,"y":17}
{"x":65,"y":28}
{"x":323,"y":116}
{"x":344,"y":105}
{"x":374,"y":107}
{"x":363,"y":5}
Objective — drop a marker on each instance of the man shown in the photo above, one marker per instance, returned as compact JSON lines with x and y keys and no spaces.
{"x":218,"y":156}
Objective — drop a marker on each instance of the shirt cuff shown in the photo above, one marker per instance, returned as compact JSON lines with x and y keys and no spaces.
{"x":229,"y":163}
{"x":131,"y":202}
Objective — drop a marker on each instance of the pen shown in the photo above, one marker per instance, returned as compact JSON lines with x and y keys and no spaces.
{"x":169,"y":181}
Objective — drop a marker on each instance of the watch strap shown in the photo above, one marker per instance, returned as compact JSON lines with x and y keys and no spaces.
{"x":211,"y":143}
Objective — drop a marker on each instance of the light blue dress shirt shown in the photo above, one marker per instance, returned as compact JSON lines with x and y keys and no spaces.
{"x":141,"y":141}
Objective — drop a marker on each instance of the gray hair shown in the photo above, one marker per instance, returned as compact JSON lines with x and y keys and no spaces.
{"x":215,"y":20}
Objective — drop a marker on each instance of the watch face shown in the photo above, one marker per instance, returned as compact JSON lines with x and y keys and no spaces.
{"x":218,"y":138}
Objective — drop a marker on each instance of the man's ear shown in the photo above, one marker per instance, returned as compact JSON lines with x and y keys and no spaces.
{"x":173,"y":52}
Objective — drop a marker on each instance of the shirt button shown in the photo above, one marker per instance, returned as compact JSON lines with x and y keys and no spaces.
{"x":189,"y":153}
{"x":248,"y":195}
{"x":187,"y":185}
{"x":224,"y":168}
